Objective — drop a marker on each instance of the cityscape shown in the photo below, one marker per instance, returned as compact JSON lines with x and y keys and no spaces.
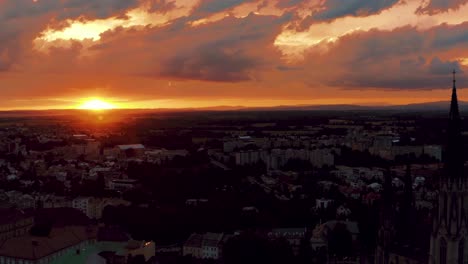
{"x":233,"y":132}
{"x":300,"y":186}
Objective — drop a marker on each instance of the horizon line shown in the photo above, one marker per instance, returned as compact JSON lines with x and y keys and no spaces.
{"x":364,"y":105}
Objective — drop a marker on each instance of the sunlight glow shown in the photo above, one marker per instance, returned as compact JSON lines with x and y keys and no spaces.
{"x":82,"y":29}
{"x":96,"y":104}
{"x":293,"y":43}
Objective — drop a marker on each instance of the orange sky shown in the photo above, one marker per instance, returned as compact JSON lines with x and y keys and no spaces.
{"x":201,"y":53}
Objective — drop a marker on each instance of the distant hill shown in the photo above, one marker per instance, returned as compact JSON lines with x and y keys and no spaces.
{"x":420,"y":107}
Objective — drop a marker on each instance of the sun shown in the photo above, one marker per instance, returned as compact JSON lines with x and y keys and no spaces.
{"x":96,"y":104}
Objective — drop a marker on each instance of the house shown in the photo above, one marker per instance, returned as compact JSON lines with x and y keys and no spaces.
{"x":371,"y":198}
{"x":26,"y":201}
{"x":376,"y":187}
{"x":122,"y":184}
{"x":294,"y":236}
{"x":211,"y":245}
{"x":195,"y":202}
{"x":52,"y":201}
{"x":343,"y":211}
{"x":93,"y":207}
{"x":318,"y":239}
{"x":204,"y":246}
{"x":323,"y":203}
{"x":129,"y":151}
{"x":193,"y":246}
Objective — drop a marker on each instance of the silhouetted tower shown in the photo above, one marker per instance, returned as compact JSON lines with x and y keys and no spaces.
{"x":386,"y":234}
{"x":448,"y":239}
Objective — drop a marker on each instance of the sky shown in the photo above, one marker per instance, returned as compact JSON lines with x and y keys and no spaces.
{"x":202,"y":53}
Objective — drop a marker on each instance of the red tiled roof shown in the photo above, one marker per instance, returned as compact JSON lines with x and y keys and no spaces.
{"x":34,"y":248}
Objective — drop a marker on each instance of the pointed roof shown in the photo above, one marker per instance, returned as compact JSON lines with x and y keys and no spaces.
{"x":454,"y":112}
{"x":454,"y":152}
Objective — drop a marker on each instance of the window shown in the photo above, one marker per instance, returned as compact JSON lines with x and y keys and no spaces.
{"x":461,"y":251}
{"x":443,"y":251}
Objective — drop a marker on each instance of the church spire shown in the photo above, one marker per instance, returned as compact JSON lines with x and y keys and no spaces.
{"x":454,"y":152}
{"x":454,"y":112}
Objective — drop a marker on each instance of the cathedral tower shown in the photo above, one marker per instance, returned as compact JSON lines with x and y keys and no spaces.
{"x":449,"y":234}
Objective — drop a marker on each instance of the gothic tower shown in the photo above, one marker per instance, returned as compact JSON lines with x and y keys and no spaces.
{"x":449,"y":233}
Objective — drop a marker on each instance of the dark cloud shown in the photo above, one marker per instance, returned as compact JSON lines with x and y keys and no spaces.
{"x":401,"y":59}
{"x":161,"y":6}
{"x":449,"y":36}
{"x":439,"y":67}
{"x":438,"y":6}
{"x":230,"y":56}
{"x":288,"y":3}
{"x":211,"y":63}
{"x":229,"y":50}
{"x":285,"y":68}
{"x":64,"y":9}
{"x":339,"y":8}
{"x":214,"y":6}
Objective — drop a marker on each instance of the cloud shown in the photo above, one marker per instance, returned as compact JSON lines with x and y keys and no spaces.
{"x":161,"y":6}
{"x":288,"y":3}
{"x":65,"y":9}
{"x":287,"y":68}
{"x":439,"y":67}
{"x":215,"y":6}
{"x":338,"y":8}
{"x":439,"y":6}
{"x":212,"y":62}
{"x":344,"y":47}
{"x":23,"y":20}
{"x":401,"y":59}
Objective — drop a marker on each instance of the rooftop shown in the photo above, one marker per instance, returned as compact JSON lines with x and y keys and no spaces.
{"x":131,"y":146}
{"x":34,"y":248}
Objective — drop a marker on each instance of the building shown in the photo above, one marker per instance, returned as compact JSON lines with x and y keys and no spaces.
{"x":323,"y":203}
{"x":211,"y":245}
{"x":193,"y":246}
{"x":130,"y":151}
{"x":322,"y":157}
{"x":204,"y":246}
{"x":450,"y":228}
{"x":244,"y":158}
{"x":401,"y":234}
{"x":14,"y":223}
{"x":43,"y":250}
{"x":93,"y":207}
{"x":294,"y":236}
{"x":122,"y":184}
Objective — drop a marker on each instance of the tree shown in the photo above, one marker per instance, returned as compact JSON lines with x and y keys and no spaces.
{"x":250,"y":248}
{"x":138,"y":259}
{"x":340,"y":242}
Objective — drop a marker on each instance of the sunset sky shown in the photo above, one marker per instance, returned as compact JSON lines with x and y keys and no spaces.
{"x":199,"y":53}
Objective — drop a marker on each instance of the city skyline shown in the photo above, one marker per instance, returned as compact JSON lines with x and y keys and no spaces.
{"x":190,"y":54}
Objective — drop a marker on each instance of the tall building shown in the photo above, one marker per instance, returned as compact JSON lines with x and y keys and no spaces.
{"x":449,"y":234}
{"x":401,"y":236}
